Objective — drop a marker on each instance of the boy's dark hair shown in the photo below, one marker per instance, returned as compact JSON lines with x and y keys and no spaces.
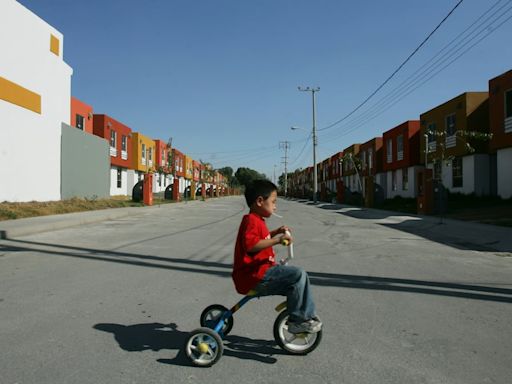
{"x":256,"y":188}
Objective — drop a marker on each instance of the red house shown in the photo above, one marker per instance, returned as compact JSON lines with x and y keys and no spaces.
{"x":400,"y":159}
{"x":81,"y":115}
{"x":122,"y":177}
{"x":500,"y":120}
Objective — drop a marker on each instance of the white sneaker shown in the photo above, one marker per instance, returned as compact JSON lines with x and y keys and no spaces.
{"x":308,"y":326}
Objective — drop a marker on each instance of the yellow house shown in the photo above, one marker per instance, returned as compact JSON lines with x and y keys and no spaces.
{"x":189,"y":168}
{"x":143,"y":149}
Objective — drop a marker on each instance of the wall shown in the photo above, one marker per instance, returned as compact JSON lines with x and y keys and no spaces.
{"x":85,"y":164}
{"x":504,"y":173}
{"x":34,"y":100}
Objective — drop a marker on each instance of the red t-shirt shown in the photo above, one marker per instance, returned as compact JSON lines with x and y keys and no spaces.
{"x":249,"y":268}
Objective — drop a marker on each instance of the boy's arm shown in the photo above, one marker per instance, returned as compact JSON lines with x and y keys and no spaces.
{"x":264,"y":244}
{"x":274,"y":240}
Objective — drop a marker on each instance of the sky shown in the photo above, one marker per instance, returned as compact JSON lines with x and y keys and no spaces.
{"x":220,"y":78}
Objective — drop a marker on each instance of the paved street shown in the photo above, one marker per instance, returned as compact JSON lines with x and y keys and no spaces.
{"x":113,"y":302}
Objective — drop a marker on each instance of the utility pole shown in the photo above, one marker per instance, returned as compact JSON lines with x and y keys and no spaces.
{"x":315,"y":176}
{"x":285,"y":145}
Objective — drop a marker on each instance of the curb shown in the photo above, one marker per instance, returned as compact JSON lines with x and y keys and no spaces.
{"x":33,"y":225}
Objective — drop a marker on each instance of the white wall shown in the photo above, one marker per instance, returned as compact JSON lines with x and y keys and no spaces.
{"x":30,"y":143}
{"x":410,"y":192}
{"x":114,"y":190}
{"x":475,"y":175}
{"x":131,"y":180}
{"x":504,"y":162}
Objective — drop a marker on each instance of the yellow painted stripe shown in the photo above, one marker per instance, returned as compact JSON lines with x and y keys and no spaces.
{"x":16,"y":94}
{"x":54,"y":45}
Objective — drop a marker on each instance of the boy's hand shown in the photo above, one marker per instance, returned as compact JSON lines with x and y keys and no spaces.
{"x":282,"y":229}
{"x":287,"y":238}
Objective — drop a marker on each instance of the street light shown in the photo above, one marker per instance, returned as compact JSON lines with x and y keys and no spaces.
{"x":315,"y":176}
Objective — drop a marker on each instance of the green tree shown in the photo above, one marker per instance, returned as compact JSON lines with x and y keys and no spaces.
{"x":247,"y":175}
{"x":227,"y":172}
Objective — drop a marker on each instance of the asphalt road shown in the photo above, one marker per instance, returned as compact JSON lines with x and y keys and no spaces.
{"x":113,"y":302}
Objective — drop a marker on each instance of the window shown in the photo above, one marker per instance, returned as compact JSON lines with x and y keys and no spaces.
{"x":370,"y":158}
{"x":79,"y":122}
{"x":457,"y":172}
{"x":143,"y":154}
{"x":393,"y":181}
{"x":450,"y":125}
{"x":508,"y":111}
{"x":431,"y":132}
{"x":508,"y":104}
{"x":389,"y":150}
{"x":113,"y":138}
{"x":124,"y":143}
{"x":150,"y":154}
{"x":405,"y":179}
{"x":400,"y":147}
{"x":119,"y":178}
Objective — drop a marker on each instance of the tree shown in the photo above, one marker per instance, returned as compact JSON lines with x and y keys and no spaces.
{"x":246,"y":175}
{"x":227,"y":172}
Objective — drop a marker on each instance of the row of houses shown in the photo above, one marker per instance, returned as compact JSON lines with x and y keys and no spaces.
{"x":53,"y":146}
{"x":133,"y":154}
{"x":464,"y":144}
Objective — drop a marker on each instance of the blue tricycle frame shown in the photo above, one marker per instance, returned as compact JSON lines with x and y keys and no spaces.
{"x":205,"y":347}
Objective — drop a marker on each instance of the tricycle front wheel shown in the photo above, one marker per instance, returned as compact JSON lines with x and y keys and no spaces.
{"x":211,"y":316}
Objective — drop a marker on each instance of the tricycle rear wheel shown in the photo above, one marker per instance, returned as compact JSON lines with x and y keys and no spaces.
{"x":296,"y":344}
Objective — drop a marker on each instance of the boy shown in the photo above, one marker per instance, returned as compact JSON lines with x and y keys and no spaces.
{"x":255,"y":267}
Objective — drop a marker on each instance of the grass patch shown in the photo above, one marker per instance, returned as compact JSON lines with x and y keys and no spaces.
{"x":11,"y":211}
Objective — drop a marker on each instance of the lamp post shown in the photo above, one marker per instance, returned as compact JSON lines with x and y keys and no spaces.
{"x":315,"y":176}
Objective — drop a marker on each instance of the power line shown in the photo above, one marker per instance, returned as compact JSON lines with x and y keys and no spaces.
{"x":404,"y":89}
{"x":395,"y":72}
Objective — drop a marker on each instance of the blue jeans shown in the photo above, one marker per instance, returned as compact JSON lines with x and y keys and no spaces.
{"x":292,"y":282}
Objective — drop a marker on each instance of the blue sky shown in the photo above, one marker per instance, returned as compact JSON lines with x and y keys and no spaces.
{"x":220,"y":76}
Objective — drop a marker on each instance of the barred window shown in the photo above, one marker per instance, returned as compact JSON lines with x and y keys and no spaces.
{"x":450,"y":125}
{"x":457,"y":172}
{"x":508,"y":103}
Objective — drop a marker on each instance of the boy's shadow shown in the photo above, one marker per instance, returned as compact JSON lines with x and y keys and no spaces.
{"x":158,"y":336}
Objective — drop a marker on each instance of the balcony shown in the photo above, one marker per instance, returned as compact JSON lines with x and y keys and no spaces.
{"x":508,"y":124}
{"x":450,"y":141}
{"x":113,"y":152}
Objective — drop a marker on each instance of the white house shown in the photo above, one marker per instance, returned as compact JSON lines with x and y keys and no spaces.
{"x":35,"y":91}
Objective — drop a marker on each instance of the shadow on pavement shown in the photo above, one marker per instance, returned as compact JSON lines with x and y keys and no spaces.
{"x":467,"y":291}
{"x":159,"y":336}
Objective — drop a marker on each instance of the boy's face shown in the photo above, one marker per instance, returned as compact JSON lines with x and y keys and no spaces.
{"x":268,"y":206}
